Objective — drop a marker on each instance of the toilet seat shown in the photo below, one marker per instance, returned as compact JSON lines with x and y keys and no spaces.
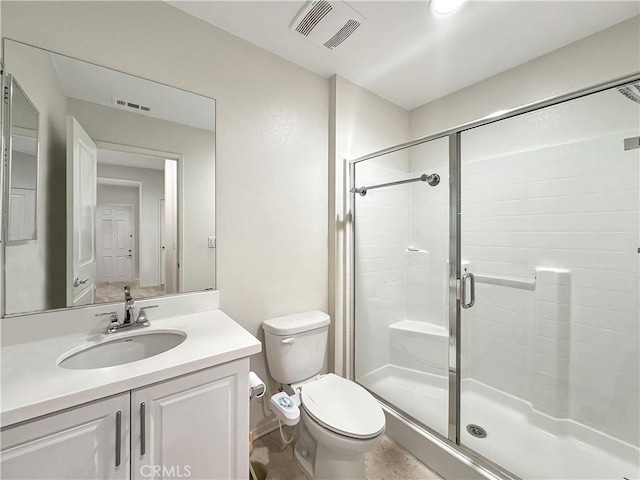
{"x":343,"y":407}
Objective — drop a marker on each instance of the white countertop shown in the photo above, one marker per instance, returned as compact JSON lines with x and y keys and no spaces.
{"x":33,"y":384}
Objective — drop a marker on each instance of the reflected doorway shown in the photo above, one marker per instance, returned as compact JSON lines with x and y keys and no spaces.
{"x":136,"y":219}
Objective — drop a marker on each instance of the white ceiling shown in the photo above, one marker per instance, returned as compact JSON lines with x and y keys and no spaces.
{"x":101,"y":85}
{"x":406,"y":55}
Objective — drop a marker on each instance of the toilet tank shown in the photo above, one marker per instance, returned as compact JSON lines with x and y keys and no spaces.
{"x":296,"y":345}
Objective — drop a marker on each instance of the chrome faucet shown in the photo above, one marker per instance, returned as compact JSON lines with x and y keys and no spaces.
{"x":128,"y":306}
{"x":127,"y":322}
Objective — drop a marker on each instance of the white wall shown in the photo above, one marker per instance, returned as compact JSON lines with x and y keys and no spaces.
{"x":116,"y":194}
{"x":271,"y":151}
{"x":28,"y":288}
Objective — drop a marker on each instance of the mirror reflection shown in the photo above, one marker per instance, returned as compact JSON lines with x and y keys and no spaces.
{"x":126,"y":186}
{"x":23,"y":166}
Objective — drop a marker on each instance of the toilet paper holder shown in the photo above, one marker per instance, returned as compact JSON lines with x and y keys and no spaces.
{"x":257,"y":388}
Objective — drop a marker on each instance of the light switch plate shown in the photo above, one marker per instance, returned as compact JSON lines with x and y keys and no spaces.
{"x":212,"y":242}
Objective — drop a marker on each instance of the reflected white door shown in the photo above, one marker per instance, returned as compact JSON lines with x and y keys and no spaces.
{"x":82,"y":162}
{"x":114,"y":243}
{"x":22,"y":208}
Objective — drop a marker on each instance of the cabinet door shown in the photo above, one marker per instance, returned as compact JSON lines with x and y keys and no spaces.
{"x":194,"y":426}
{"x":79,"y":443}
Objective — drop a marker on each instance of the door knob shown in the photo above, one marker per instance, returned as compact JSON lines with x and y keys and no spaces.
{"x":77,"y":282}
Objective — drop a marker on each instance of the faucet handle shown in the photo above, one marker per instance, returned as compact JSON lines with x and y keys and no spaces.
{"x":114,"y":324}
{"x":142,"y":315}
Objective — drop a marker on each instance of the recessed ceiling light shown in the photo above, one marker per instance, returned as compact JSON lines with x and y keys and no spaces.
{"x":441,"y":8}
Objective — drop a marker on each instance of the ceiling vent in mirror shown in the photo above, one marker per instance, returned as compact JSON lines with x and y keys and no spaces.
{"x":131,"y":105}
{"x":327,"y":23}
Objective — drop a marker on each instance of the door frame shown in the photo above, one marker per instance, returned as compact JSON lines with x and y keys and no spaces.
{"x":179,"y":159}
{"x":161,"y":247}
{"x":347,"y":275}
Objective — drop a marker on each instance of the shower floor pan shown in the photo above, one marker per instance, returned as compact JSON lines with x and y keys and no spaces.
{"x":515,"y":440}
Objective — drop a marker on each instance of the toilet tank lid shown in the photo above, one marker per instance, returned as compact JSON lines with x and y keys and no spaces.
{"x":299,"y":322}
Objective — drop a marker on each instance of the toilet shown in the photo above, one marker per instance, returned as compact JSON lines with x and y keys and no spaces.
{"x":337,"y":420}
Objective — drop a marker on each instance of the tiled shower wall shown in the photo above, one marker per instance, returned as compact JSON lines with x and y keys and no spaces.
{"x":382,"y":235}
{"x":567,"y":198}
{"x":573,"y":207}
{"x":427,"y":281}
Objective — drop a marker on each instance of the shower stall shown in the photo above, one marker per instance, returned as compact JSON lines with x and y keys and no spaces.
{"x":495,"y":286}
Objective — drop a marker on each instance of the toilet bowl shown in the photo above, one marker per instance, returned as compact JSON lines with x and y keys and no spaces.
{"x":337,"y":420}
{"x":340,"y":422}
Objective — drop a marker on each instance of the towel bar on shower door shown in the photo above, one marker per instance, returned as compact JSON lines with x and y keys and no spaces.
{"x":433,"y":180}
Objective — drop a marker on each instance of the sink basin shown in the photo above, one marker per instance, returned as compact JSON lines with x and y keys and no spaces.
{"x":123,"y":349}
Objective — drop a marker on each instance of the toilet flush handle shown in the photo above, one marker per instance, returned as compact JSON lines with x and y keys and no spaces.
{"x":288,"y":341}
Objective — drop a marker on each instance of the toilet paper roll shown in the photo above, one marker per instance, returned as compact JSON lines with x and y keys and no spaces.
{"x":256,"y":386}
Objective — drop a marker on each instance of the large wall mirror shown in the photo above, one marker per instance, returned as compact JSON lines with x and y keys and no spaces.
{"x":111,"y":183}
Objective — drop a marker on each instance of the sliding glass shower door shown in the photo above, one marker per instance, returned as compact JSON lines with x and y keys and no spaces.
{"x":549,"y":379}
{"x":401,"y":271}
{"x":500,"y":307}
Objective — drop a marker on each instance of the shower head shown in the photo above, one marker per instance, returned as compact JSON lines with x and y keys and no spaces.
{"x":632,"y":92}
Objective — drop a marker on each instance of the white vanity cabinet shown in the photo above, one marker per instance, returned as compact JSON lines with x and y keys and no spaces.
{"x":193,"y":426}
{"x":78,"y":443}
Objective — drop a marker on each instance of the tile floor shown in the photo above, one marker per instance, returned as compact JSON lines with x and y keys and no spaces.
{"x":389,"y":461}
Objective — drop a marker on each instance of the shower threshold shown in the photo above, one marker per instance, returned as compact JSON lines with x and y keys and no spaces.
{"x":527,"y":443}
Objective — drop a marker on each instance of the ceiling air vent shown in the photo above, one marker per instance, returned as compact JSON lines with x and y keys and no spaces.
{"x":131,"y":105}
{"x":327,"y":23}
{"x":342,"y":34}
{"x":318,"y":11}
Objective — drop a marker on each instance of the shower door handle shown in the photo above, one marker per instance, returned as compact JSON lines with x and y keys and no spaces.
{"x":463,"y":290}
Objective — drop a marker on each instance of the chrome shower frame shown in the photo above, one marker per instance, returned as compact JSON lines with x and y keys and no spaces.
{"x":452,"y":440}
